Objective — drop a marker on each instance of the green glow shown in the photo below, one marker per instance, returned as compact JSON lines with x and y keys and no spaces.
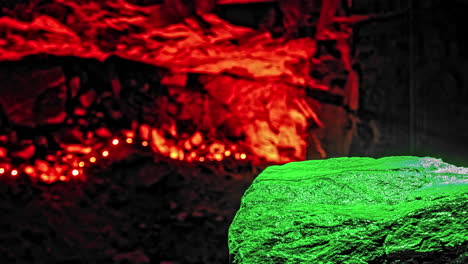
{"x":350,"y":210}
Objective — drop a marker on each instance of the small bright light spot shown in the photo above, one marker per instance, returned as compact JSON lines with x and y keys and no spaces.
{"x":115,"y":142}
{"x":29,"y":170}
{"x":129,"y":140}
{"x":227,"y":153}
{"x":59,"y":169}
{"x":92,"y":159}
{"x":75,"y":172}
{"x":201,"y":159}
{"x":2,"y":170}
{"x":144,"y":143}
{"x":218,"y":156}
{"x":44,"y":177}
{"x":105,"y":153}
{"x":243,"y":156}
{"x":129,"y":134}
{"x":187,"y":145}
{"x":173,"y":155}
{"x":81,"y":164}
{"x":63,"y":178}
{"x":14,"y":172}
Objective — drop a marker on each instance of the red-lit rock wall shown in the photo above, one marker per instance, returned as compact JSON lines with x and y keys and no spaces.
{"x":239,"y":89}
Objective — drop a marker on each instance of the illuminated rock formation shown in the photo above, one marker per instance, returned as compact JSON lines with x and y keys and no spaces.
{"x":353,"y":210}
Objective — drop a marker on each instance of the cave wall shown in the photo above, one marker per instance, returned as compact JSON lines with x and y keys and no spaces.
{"x":431,"y":66}
{"x":412,"y":95}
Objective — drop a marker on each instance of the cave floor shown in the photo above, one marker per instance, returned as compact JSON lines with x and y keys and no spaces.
{"x":137,"y":211}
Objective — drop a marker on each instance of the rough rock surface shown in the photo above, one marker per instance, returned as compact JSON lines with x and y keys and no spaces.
{"x":353,"y":210}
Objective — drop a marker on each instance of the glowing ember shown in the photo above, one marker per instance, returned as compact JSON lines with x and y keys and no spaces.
{"x":144,"y":143}
{"x":197,"y":139}
{"x":81,"y":164}
{"x":14,"y":172}
{"x":3,"y":152}
{"x":44,"y":177}
{"x":174,"y":155}
{"x":92,"y":159}
{"x":2,"y":170}
{"x":29,"y":170}
{"x":63,"y":178}
{"x":59,"y":169}
{"x":115,"y":142}
{"x":75,"y":172}
{"x":218,"y":157}
{"x":105,"y":153}
{"x":201,"y":159}
{"x":227,"y":153}
{"x":77,"y":149}
{"x":145,"y":132}
{"x":129,"y":134}
{"x":187,"y":145}
{"x":243,"y":156}
{"x":42,"y":165}
{"x":129,"y":140}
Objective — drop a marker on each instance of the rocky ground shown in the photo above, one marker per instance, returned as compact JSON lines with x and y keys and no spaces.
{"x":136,"y":211}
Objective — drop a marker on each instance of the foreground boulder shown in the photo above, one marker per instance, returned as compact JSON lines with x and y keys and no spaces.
{"x":354,"y":210}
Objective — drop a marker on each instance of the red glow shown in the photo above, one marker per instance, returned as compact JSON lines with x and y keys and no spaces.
{"x":174,"y":155}
{"x":218,"y":157}
{"x":63,"y":178}
{"x":3,"y":152}
{"x":42,"y":165}
{"x":59,"y":169}
{"x":44,"y":177}
{"x":78,"y":149}
{"x":197,"y":138}
{"x":145,"y":131}
{"x":228,"y":2}
{"x":14,"y":172}
{"x":29,"y":170}
{"x":282,"y":66}
{"x":129,"y":134}
{"x":187,"y":145}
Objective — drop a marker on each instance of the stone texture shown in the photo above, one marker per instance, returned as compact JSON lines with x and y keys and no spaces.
{"x":351,"y":210}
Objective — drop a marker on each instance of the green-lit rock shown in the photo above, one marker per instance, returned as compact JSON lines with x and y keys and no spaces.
{"x":351,"y":210}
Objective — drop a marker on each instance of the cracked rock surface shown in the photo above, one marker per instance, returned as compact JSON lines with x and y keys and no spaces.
{"x":354,"y":210}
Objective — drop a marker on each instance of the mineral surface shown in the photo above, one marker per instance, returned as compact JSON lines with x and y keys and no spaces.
{"x":352,"y":210}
